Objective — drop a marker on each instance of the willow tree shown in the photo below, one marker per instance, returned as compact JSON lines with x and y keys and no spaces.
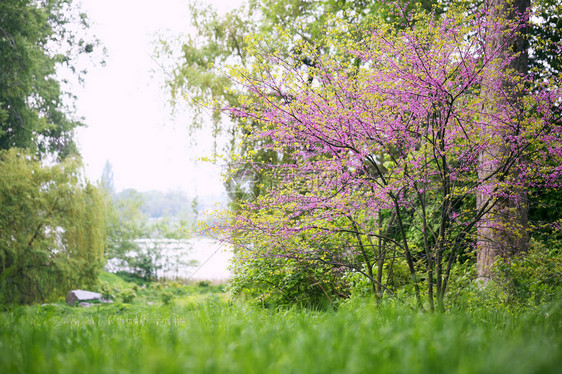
{"x":52,"y":230}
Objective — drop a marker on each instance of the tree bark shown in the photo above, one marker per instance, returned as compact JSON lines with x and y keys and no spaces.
{"x":503,"y":229}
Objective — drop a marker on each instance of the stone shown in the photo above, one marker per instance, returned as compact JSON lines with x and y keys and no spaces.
{"x":84,"y":304}
{"x":76,"y":296}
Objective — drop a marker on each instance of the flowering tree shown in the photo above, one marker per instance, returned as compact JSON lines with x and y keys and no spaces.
{"x":386,"y":136}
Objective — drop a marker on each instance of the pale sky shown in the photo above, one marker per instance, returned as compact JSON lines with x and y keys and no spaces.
{"x":125,"y":109}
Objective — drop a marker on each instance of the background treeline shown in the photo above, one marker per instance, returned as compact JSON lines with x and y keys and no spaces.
{"x":138,"y":223}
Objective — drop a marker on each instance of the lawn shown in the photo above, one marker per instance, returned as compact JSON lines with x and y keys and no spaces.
{"x":198,"y":331}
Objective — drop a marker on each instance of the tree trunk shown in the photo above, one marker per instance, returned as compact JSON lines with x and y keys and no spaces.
{"x":503,"y":229}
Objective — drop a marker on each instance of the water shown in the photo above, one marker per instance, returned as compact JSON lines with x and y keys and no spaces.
{"x":199,"y":258}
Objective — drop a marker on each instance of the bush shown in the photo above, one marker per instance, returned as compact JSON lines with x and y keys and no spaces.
{"x":128,"y":296}
{"x":272,"y":282}
{"x":167,"y":297}
{"x":531,"y":278}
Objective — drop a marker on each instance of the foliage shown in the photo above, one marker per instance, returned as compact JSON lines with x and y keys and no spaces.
{"x":167,"y":297}
{"x":132,"y":289}
{"x":532,"y":278}
{"x":51,"y":229}
{"x":545,"y":38}
{"x":37,"y":40}
{"x":128,"y":296}
{"x":393,"y":146}
{"x":545,"y":216}
{"x":266,"y":277}
{"x":215,"y":337}
{"x":221,"y":40}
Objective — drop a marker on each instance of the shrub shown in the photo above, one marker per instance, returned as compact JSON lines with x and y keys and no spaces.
{"x":128,"y":296}
{"x":167,"y":297}
{"x":533,"y":277}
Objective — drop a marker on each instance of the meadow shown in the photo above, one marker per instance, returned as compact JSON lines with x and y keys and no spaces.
{"x":174,"y":328}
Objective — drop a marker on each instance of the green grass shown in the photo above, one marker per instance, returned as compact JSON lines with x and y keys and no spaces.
{"x":208,"y":335}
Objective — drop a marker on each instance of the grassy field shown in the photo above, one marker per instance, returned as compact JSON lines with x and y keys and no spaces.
{"x":197,"y":331}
